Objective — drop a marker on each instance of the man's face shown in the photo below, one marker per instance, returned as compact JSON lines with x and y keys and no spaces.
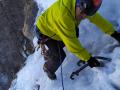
{"x":79,"y":14}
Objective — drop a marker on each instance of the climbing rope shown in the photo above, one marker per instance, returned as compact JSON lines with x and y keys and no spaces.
{"x":61,"y":68}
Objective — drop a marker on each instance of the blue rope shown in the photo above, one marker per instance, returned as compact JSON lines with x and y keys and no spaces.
{"x":61,"y":69}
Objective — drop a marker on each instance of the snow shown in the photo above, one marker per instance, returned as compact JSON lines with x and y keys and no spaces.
{"x":32,"y":76}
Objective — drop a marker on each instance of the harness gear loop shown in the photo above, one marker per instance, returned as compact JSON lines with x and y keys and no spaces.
{"x":42,"y":45}
{"x":43,"y":49}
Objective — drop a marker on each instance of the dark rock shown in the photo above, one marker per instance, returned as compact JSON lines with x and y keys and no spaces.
{"x":17,"y":18}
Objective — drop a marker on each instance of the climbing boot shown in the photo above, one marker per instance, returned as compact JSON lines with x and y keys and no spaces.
{"x":51,"y":75}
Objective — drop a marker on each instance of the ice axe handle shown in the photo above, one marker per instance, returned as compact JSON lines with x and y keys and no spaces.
{"x":77,"y":71}
{"x":103,"y":58}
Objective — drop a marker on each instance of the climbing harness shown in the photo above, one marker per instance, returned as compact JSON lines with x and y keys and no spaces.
{"x":42,"y":42}
{"x":42,"y":46}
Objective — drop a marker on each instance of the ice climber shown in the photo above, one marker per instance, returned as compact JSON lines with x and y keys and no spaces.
{"x":57,"y":27}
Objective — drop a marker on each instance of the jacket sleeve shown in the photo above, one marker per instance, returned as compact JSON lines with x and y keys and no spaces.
{"x":68,"y":35}
{"x":102,"y":23}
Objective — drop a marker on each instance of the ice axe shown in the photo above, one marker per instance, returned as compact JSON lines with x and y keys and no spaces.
{"x":86,"y":65}
{"x":77,"y":71}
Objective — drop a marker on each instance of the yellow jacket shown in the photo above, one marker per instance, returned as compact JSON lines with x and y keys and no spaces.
{"x":58,"y":22}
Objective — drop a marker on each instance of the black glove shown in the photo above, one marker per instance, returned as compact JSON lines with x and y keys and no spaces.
{"x":116,"y":35}
{"x":93,"y":62}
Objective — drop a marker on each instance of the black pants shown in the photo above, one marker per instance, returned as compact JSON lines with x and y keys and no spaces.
{"x":55,"y":55}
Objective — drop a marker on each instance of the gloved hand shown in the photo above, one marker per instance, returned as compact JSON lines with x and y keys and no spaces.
{"x":116,"y":36}
{"x":93,"y":62}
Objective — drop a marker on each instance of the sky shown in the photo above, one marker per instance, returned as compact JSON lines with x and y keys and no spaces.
{"x":32,"y":76}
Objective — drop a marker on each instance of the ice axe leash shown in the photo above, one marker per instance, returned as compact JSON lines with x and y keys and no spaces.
{"x":86,"y":65}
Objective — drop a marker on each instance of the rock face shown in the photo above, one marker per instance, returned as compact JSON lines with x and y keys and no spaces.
{"x":16,"y":20}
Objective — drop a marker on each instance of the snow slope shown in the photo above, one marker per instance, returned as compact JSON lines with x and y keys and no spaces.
{"x":32,"y":76}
